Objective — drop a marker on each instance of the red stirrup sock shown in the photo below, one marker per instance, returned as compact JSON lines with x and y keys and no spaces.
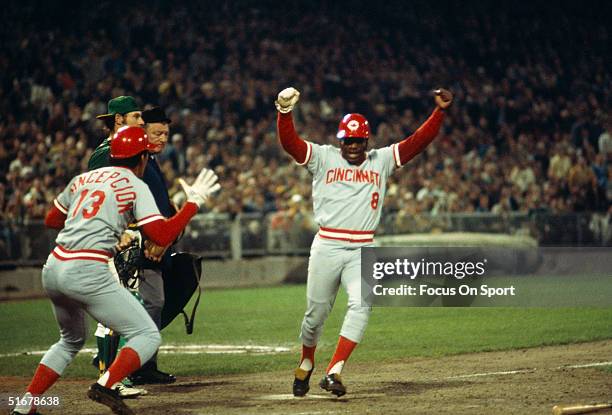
{"x":343,"y":351}
{"x":43,"y":379}
{"x":307,"y":359}
{"x":126,"y":362}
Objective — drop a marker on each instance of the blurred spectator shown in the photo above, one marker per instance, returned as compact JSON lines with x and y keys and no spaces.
{"x":580,"y":175}
{"x":609,"y":183}
{"x":605,"y":140}
{"x":528,"y":131}
{"x":175,"y":152}
{"x":560,"y":164}
{"x":601,"y":226}
{"x":522,"y":175}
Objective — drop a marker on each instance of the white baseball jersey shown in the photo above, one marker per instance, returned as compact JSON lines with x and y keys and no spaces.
{"x":99,"y":205}
{"x":347,"y":198}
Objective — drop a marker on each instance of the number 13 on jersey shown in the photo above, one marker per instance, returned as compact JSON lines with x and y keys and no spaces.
{"x":92,"y":211}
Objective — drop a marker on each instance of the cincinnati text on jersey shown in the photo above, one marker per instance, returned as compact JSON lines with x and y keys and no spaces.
{"x":341,"y":174}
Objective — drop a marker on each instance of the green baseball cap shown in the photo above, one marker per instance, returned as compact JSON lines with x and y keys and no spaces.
{"x":120,"y":105}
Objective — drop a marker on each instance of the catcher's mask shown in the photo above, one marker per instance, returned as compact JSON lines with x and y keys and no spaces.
{"x":128,"y":263}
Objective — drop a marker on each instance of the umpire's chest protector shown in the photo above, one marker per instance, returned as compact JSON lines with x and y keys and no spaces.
{"x":181,"y":280}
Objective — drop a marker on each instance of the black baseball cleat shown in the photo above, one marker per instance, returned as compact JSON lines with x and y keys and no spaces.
{"x":110,"y":398}
{"x":333,"y":383}
{"x":300,"y":383}
{"x":151,"y":377}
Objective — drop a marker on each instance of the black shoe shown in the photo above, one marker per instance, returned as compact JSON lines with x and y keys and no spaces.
{"x":151,"y":377}
{"x":110,"y":398}
{"x":300,"y":383}
{"x":333,"y":383}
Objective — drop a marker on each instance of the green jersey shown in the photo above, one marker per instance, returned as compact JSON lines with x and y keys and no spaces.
{"x":100,"y":156}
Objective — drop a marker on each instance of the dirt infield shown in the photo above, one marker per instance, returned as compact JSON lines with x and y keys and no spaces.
{"x":528,"y":381}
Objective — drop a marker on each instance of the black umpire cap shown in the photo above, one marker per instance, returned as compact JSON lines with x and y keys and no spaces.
{"x":155,"y":115}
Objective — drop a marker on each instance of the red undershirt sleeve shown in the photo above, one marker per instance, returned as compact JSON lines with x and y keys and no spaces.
{"x":55,"y":218}
{"x":164,"y":231}
{"x":291,"y":142}
{"x":417,"y":142}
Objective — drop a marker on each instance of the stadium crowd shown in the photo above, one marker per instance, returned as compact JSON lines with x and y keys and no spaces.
{"x":530,"y":129}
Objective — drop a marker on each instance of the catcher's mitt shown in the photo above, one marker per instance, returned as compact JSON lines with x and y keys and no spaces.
{"x":128,"y":263}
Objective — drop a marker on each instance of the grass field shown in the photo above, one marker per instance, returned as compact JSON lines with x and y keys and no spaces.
{"x":271,"y":316}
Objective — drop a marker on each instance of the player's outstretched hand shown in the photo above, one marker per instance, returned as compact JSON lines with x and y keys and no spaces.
{"x":203,"y":186}
{"x":443,"y":97}
{"x":287,"y":99}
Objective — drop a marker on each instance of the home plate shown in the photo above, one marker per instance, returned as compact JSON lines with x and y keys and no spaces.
{"x":289,"y":397}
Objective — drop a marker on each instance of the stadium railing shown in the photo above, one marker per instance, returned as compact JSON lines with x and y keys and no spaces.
{"x":28,"y":243}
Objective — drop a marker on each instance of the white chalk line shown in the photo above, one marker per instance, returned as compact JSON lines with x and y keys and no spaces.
{"x":186,"y":349}
{"x":477,"y":375}
{"x":519,"y":371}
{"x":586,"y":365}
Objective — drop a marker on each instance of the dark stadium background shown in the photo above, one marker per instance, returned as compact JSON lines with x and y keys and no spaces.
{"x":526,"y":147}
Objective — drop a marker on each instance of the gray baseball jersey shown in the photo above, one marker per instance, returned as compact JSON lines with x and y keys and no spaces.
{"x":77,"y":278}
{"x":99,"y":205}
{"x":348,"y":199}
{"x":347,"y":206}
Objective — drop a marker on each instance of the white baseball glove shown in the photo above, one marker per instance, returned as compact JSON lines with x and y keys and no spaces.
{"x":287,"y":99}
{"x":203,"y":186}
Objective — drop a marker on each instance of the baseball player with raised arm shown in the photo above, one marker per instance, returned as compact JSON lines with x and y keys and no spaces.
{"x":92,"y":212}
{"x":348,"y":189}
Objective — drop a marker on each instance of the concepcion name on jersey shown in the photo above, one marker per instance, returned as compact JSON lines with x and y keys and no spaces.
{"x":348,"y":199}
{"x":98,"y":206}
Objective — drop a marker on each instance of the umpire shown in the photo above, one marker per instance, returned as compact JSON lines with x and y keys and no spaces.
{"x":151,"y":286}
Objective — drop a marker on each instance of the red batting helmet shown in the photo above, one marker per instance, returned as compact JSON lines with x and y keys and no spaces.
{"x":128,"y":142}
{"x":353,"y":125}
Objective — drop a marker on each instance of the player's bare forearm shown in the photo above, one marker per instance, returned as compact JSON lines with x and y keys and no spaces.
{"x":289,"y":139}
{"x":425,"y":134}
